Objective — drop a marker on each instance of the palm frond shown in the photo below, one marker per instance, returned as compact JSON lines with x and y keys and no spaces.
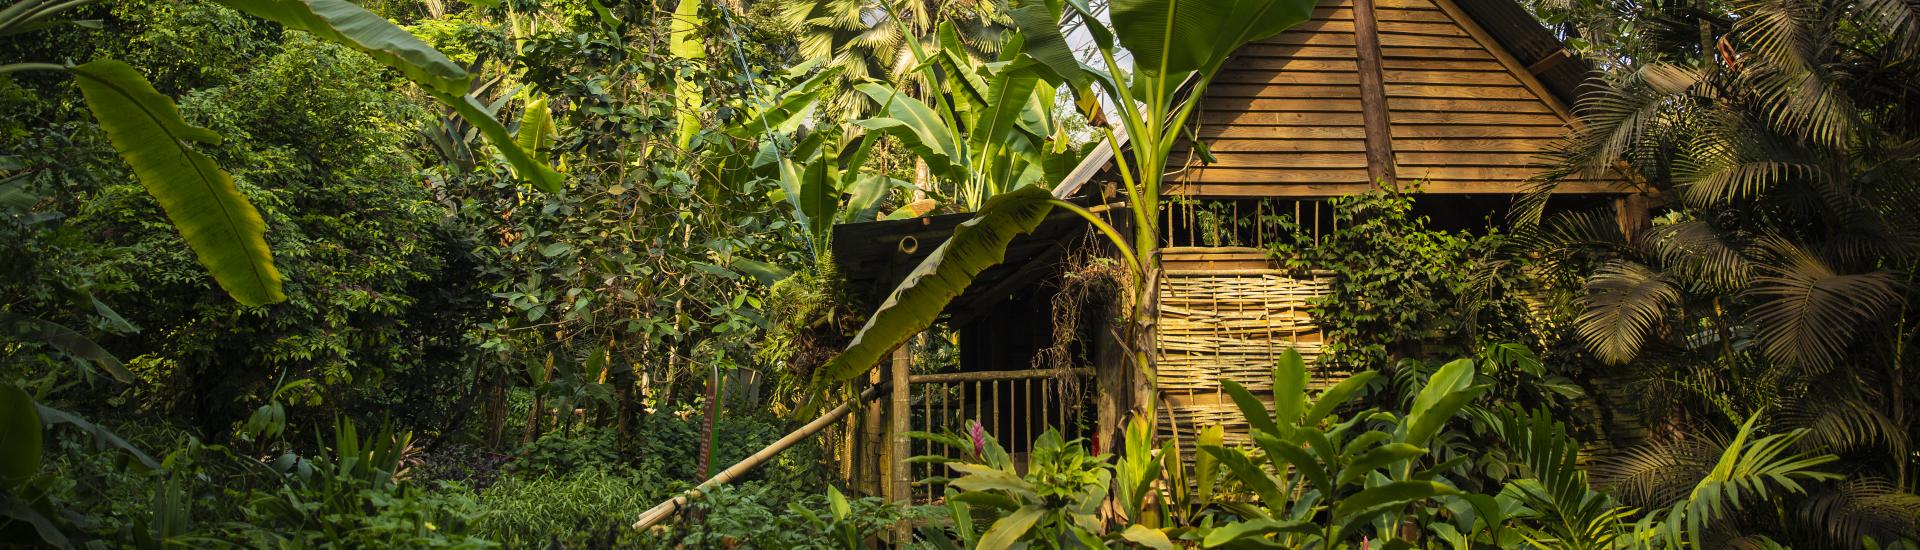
{"x":1807,"y":313}
{"x":1898,"y":20}
{"x":1861,"y":507}
{"x":1625,"y":302}
{"x":1752,"y":469}
{"x":1845,"y":424}
{"x":1655,"y":474}
{"x":1700,"y":253}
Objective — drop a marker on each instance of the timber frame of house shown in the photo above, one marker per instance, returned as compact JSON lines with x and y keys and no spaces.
{"x":1460,"y":96}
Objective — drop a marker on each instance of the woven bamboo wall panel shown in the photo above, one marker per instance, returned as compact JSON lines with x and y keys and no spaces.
{"x":1217,"y":325}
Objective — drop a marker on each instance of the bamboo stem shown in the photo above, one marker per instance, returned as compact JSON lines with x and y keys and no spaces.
{"x":665,"y":509}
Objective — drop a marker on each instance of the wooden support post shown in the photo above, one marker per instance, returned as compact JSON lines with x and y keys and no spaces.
{"x":1373,"y":96}
{"x":873,"y":448}
{"x":1633,"y":213}
{"x":901,"y":487}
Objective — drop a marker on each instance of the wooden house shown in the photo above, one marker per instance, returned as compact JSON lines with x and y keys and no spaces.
{"x":1460,"y":95}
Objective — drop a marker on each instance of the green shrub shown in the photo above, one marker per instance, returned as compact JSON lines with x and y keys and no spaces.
{"x":591,"y":508}
{"x":753,"y":515}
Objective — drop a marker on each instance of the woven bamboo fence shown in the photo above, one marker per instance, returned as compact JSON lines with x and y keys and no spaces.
{"x":1230,"y":325}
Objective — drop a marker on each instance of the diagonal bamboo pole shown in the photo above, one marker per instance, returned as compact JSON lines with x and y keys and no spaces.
{"x":671,"y":506}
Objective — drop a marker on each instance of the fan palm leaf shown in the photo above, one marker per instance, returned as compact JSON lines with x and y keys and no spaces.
{"x":1807,"y":312}
{"x":1625,"y":303}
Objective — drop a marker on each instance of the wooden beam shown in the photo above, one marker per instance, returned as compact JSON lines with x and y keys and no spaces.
{"x":1373,"y":95}
{"x":1549,"y":62}
{"x":992,"y":375}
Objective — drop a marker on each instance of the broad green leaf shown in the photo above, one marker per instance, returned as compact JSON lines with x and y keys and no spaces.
{"x":20,"y":436}
{"x":990,"y":500}
{"x":1039,"y":22}
{"x":1336,"y":396}
{"x":918,"y":127}
{"x":1289,"y":387}
{"x":976,"y":245}
{"x":1394,"y":492}
{"x":1378,"y":458}
{"x":963,"y":83}
{"x":687,"y":92}
{"x":524,"y":164}
{"x":810,"y":190}
{"x":215,"y":220}
{"x":1205,"y":467}
{"x":1148,"y":537}
{"x":984,"y":478}
{"x":1008,"y":95}
{"x":1251,"y":408}
{"x":1249,"y":474}
{"x":102,"y":437}
{"x":1003,"y":533}
{"x":350,"y":25}
{"x":536,"y":128}
{"x":1289,"y":453}
{"x":71,"y":342}
{"x":869,"y":189}
{"x":793,"y":105}
{"x":1449,"y":389}
{"x":1255,"y":528}
{"x":1172,"y":37}
{"x":764,"y":272}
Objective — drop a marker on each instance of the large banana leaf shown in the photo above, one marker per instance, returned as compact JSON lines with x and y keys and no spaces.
{"x":1169,"y":38}
{"x":793,"y":106}
{"x":918,"y":127}
{"x":810,"y":189}
{"x":523,"y":162}
{"x":1008,"y":96}
{"x":348,"y":24}
{"x":1039,"y":22}
{"x":215,"y":220}
{"x":976,"y":245}
{"x":687,"y":93}
{"x":20,"y":437}
{"x":536,"y":127}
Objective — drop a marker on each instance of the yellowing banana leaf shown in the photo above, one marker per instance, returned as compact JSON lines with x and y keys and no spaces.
{"x":223,"y":229}
{"x":524,"y":164}
{"x":536,"y":128}
{"x":977,"y":244}
{"x":687,"y":92}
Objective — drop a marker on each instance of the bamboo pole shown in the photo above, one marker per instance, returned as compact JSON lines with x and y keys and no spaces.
{"x":900,"y":481}
{"x":666,"y":509}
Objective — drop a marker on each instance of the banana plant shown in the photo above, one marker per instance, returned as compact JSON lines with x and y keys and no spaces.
{"x":990,"y":128}
{"x":1320,"y":480}
{"x":1171,"y":43}
{"x":224,"y":230}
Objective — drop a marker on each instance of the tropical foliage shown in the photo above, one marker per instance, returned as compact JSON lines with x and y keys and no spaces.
{"x":399,"y":273}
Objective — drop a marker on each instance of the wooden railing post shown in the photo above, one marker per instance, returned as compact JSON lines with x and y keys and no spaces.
{"x":900,"y":479}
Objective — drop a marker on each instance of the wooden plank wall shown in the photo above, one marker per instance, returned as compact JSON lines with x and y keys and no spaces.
{"x":1285,"y":117}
